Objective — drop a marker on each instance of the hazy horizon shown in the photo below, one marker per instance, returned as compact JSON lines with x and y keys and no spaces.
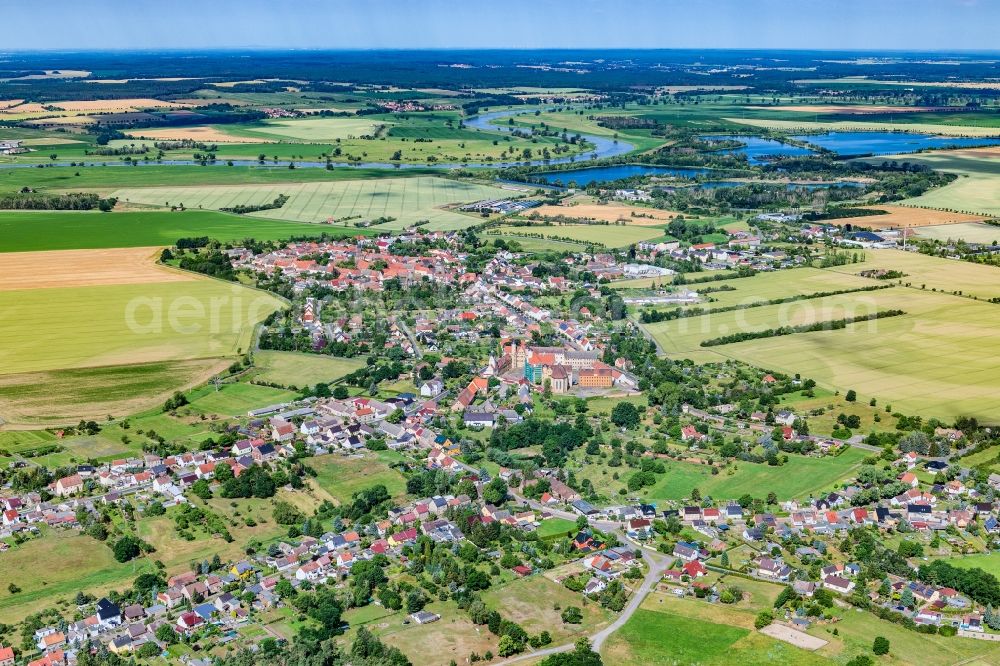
{"x":812,"y":25}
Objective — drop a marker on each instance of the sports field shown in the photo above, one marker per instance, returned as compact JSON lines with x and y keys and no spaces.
{"x":408,"y":200}
{"x":608,"y":235}
{"x":298,"y":369}
{"x":30,"y":231}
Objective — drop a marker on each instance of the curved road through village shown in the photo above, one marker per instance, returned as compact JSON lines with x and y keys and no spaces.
{"x":657,"y":564}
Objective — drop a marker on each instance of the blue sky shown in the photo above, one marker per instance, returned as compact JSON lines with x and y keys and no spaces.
{"x":351,"y":24}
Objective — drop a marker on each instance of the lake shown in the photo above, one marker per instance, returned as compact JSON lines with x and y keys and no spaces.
{"x":758,"y":150}
{"x":584,"y":177}
{"x":888,"y":143}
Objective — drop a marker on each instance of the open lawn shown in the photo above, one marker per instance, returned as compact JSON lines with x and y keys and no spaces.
{"x":800,"y":477}
{"x":28,"y":231}
{"x":453,"y":637}
{"x":555,"y":528}
{"x":300,"y":370}
{"x":857,"y":630}
{"x":532,"y":602}
{"x":408,"y":200}
{"x":677,"y":632}
{"x":341,"y":476}
{"x":608,"y":235}
{"x":988,"y":562}
{"x":54,"y":568}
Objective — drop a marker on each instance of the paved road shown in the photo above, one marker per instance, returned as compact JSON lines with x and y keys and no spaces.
{"x":409,"y":334}
{"x":657,"y":564}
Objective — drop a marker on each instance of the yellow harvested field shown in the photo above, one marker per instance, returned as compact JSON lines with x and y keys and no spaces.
{"x":30,"y":107}
{"x":608,"y":213}
{"x":162,"y":78}
{"x":116,"y":105}
{"x":49,"y":141}
{"x":79,"y":268}
{"x":195,"y":133}
{"x":905,"y":216}
{"x":980,"y":85}
{"x":69,"y":119}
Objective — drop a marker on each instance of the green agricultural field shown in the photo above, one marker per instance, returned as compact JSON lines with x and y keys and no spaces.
{"x":681,"y":335}
{"x":930,"y":273}
{"x":340,"y":476}
{"x":106,"y":179}
{"x":55,"y":567}
{"x":306,"y":130}
{"x":539,"y":244}
{"x":298,"y":369}
{"x":971,"y":232}
{"x":977,"y":189}
{"x":25,"y":231}
{"x":76,"y":327}
{"x":778,"y":284}
{"x":408,"y":200}
{"x":608,"y":235}
{"x":940,"y":360}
